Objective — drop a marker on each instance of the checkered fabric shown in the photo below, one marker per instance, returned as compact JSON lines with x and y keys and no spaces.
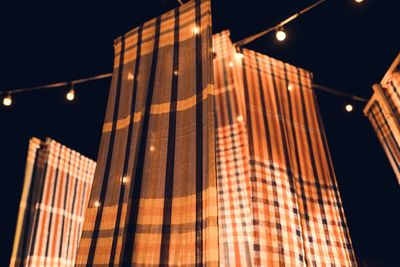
{"x":154,"y":199}
{"x":296,"y":214}
{"x":383,"y":110}
{"x":380,"y":122}
{"x":391,"y":90}
{"x":233,"y":169}
{"x":55,"y":194}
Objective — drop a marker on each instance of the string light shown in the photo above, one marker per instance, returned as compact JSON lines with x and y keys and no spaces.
{"x":97,"y":204}
{"x":349,"y":108}
{"x":290,"y":87}
{"x":240,"y":118}
{"x":231,"y":64}
{"x":124,"y":179}
{"x":152,"y":148}
{"x":280,"y":35}
{"x":71,"y":93}
{"x":196,"y":30}
{"x":239,"y":56}
{"x":359,"y":1}
{"x":7,"y":101}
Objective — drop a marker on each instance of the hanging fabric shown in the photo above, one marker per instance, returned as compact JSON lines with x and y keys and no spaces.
{"x":154,"y":196}
{"x":55,"y":194}
{"x":383,"y":110}
{"x":285,"y":173}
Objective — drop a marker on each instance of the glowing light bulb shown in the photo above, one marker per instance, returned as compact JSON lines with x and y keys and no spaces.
{"x":7,"y":101}
{"x":349,"y":108}
{"x":196,"y":30}
{"x":240,"y":118}
{"x":239,"y":56}
{"x":231,"y":64}
{"x":359,"y":1}
{"x":124,"y":180}
{"x":130,"y":76}
{"x":175,"y":72}
{"x":152,"y":148}
{"x":290,"y":87}
{"x":97,"y":204}
{"x":280,"y":35}
{"x":70,"y":95}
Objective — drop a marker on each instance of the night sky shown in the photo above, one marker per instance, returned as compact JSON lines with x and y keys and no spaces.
{"x":347,"y":46}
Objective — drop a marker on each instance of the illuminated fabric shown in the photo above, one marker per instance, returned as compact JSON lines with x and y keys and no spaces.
{"x":383,"y":110}
{"x":55,"y":194}
{"x":285,"y":173}
{"x":380,"y":121}
{"x":156,"y":178}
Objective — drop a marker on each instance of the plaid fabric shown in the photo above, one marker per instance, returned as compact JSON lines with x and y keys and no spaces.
{"x":54,"y":199}
{"x":380,"y":121}
{"x":296,"y":214}
{"x":233,"y":179}
{"x":154,"y":199}
{"x":391,"y":89}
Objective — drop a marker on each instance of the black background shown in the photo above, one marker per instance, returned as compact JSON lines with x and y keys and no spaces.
{"x":348,"y":46}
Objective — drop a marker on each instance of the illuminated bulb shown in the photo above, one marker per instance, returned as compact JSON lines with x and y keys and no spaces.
{"x":231,"y":64}
{"x":290,"y":87}
{"x":359,"y":1}
{"x":280,"y":35}
{"x":70,"y":95}
{"x":196,"y":30}
{"x":7,"y":101}
{"x":349,"y":108}
{"x":124,"y":180}
{"x":130,"y":76}
{"x":175,"y":72}
{"x":97,"y":204}
{"x":240,"y":118}
{"x":239,"y":56}
{"x":152,"y":148}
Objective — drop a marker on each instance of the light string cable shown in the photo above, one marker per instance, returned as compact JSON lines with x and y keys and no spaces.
{"x":280,"y":26}
{"x":239,"y":43}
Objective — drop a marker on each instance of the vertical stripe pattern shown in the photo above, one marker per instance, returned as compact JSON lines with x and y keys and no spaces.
{"x":283,"y":178}
{"x":53,"y":204}
{"x":154,"y":199}
{"x":383,"y":111}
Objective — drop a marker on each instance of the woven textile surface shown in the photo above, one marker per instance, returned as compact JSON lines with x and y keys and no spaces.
{"x":285,"y":173}
{"x":55,"y":194}
{"x":392,"y":92}
{"x":154,"y":199}
{"x":379,"y":120}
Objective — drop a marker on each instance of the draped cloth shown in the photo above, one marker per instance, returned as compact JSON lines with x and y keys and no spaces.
{"x":154,"y":196}
{"x":55,"y":194}
{"x":383,"y":111}
{"x":284,"y":175}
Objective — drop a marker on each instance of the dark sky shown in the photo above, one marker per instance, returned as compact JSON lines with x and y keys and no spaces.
{"x":347,"y":46}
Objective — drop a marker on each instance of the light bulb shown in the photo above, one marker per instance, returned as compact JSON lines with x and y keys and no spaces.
{"x":359,"y":1}
{"x":231,"y":64}
{"x":7,"y":101}
{"x":290,"y":87}
{"x":196,"y":30}
{"x":97,"y":204}
{"x":280,"y":35}
{"x":349,"y":108}
{"x":124,"y":180}
{"x":239,"y":56}
{"x":70,"y":95}
{"x":152,"y":148}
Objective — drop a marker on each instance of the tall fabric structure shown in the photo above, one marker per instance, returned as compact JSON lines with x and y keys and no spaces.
{"x":383,"y":110}
{"x":285,"y":174}
{"x":55,"y":194}
{"x":154,"y":196}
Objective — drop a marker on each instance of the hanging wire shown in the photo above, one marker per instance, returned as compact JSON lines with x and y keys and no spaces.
{"x":107,"y":75}
{"x":280,"y":25}
{"x":98,"y":77}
